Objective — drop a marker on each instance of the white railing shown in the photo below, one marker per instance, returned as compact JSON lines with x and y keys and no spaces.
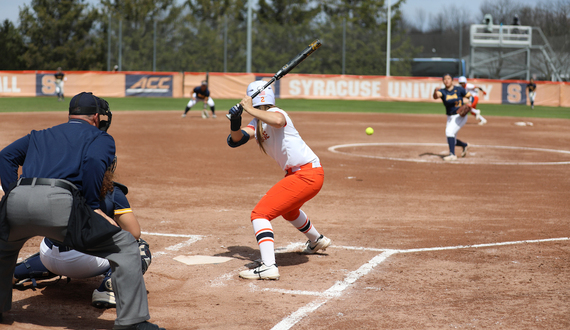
{"x":501,"y":36}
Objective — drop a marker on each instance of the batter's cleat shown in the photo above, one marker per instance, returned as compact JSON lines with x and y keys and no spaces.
{"x":183,"y":115}
{"x":465,"y":149}
{"x":214,"y":116}
{"x":482,"y":121}
{"x":262,"y":272}
{"x":450,"y":157}
{"x":103,"y":299}
{"x":138,"y":326}
{"x":322,"y":243}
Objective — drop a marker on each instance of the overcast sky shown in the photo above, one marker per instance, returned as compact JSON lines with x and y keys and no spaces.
{"x":9,"y":9}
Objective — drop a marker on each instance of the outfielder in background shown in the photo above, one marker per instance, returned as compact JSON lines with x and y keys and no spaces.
{"x":59,"y":78}
{"x":452,"y":97}
{"x":531,"y":86}
{"x":201,"y":94}
{"x":55,"y":259}
{"x":277,"y":137}
{"x":474,"y":99}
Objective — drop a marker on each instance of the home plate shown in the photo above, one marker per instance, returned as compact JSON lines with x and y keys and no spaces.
{"x":201,"y":260}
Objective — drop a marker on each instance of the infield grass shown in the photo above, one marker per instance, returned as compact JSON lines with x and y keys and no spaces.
{"x":33,"y":104}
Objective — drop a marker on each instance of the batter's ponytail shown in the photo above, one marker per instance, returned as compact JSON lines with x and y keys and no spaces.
{"x":260,"y":136}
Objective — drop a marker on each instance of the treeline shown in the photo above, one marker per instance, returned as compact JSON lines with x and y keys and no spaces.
{"x":205,"y":35}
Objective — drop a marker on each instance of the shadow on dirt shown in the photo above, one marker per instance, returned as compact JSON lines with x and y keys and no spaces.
{"x":60,"y":304}
{"x":247,"y":253}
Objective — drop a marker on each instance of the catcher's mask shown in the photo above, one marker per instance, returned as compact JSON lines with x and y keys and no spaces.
{"x":85,"y":103}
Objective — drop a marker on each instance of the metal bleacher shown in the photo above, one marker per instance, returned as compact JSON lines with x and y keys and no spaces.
{"x":505,"y":51}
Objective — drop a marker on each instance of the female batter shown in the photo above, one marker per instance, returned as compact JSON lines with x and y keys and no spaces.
{"x":277,"y":137}
{"x":452,"y":97}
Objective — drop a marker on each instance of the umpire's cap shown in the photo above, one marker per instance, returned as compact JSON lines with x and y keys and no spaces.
{"x":85,"y":103}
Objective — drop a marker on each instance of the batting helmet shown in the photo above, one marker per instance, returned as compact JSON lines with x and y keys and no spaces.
{"x":265,"y":97}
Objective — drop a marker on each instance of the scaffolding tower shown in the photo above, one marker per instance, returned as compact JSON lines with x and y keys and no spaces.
{"x":505,"y":52}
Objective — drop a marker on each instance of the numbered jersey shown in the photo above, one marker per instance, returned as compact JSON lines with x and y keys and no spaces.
{"x":284,"y":144}
{"x":452,"y":99}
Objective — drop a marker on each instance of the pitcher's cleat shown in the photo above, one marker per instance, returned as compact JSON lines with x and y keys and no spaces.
{"x":450,"y":157}
{"x":465,"y":149}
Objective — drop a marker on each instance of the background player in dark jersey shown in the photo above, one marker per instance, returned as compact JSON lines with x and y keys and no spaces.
{"x":531,"y":86}
{"x":59,"y":77}
{"x":201,"y":94}
{"x":452,"y":97}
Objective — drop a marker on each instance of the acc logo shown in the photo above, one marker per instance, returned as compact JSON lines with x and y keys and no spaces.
{"x":514,"y":93}
{"x":144,"y":85}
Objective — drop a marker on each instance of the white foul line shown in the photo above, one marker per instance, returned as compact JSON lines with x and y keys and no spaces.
{"x":176,"y":247}
{"x":337,"y":289}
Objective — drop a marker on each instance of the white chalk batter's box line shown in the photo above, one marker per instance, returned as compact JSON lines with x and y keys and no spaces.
{"x":336,"y":290}
{"x":463,"y":160}
{"x":339,"y":287}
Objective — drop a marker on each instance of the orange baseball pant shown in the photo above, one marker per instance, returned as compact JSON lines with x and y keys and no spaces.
{"x":287,"y":196}
{"x":475,"y":101}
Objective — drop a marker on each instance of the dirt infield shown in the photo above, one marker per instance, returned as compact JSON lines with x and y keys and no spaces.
{"x":481,"y":243}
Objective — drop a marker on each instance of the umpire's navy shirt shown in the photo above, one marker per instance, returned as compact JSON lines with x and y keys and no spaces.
{"x":452,"y":99}
{"x":75,"y":151}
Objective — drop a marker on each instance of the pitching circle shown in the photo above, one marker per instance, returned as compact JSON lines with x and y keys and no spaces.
{"x":336,"y":149}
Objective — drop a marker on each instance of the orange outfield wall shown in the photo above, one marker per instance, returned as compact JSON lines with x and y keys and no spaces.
{"x":294,"y":86}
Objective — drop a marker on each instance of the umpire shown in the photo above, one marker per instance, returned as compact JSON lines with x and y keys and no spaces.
{"x":57,"y":196}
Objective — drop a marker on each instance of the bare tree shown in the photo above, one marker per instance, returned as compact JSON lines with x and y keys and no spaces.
{"x":503,"y":11}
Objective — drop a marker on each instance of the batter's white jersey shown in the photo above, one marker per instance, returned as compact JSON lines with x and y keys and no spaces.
{"x":284,"y":144}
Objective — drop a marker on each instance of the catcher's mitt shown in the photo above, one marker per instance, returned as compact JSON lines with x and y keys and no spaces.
{"x":463,"y":110}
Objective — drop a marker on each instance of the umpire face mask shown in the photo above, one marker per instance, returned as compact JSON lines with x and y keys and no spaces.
{"x":89,"y":104}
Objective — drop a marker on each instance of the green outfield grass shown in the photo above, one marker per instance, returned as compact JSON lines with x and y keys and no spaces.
{"x":30,"y":104}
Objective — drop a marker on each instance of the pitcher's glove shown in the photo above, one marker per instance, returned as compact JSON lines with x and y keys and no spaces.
{"x":463,"y":110}
{"x":146,"y":257}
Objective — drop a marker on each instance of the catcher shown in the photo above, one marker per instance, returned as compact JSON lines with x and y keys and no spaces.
{"x":456,"y":110}
{"x":55,"y":259}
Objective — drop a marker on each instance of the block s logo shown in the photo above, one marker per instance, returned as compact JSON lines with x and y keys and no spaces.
{"x":48,"y":84}
{"x":514,"y":93}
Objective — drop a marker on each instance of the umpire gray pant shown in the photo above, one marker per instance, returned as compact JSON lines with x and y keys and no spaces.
{"x":44,"y":211}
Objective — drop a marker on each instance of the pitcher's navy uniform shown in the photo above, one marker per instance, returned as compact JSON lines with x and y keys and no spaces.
{"x":452,"y":100}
